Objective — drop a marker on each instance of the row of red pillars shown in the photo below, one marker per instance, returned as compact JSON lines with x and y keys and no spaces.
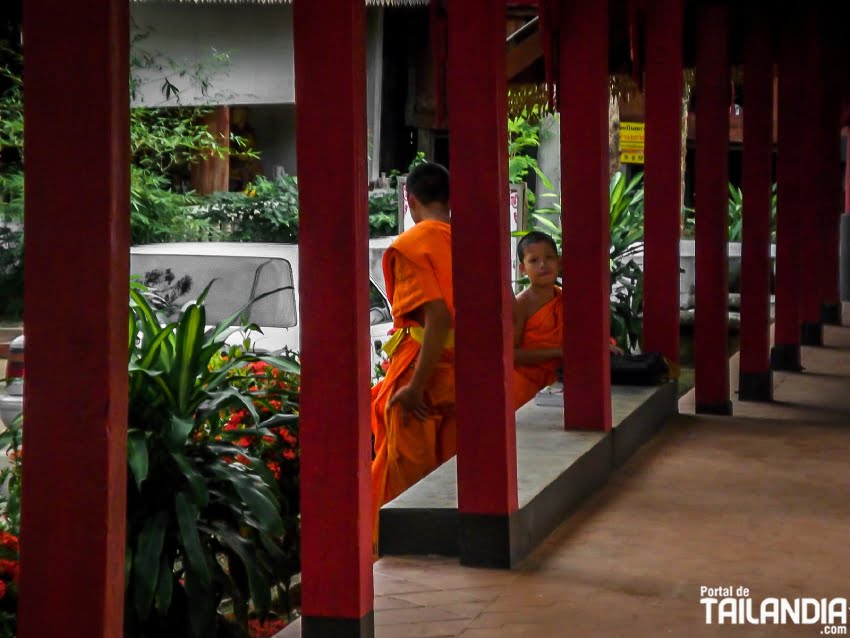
{"x":77,"y":156}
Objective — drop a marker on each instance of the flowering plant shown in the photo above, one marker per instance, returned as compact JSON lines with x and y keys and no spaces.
{"x":10,"y":508}
{"x":275,"y":395}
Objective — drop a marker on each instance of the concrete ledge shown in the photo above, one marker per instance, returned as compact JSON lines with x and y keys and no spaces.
{"x":556,"y":471}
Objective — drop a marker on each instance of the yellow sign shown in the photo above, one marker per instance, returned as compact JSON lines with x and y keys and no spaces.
{"x":632,"y":135}
{"x":631,"y":157}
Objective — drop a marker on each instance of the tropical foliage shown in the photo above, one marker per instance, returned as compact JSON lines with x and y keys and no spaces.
{"x":626,"y":228}
{"x":203,"y":516}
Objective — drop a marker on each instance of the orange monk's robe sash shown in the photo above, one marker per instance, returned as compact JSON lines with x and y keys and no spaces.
{"x":544,"y":329}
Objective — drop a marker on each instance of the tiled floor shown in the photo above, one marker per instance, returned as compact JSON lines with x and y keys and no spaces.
{"x":760,"y":500}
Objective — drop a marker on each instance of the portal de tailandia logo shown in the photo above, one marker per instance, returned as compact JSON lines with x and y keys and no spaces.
{"x":730,"y":605}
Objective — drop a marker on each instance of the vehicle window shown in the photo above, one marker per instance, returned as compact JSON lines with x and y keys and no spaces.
{"x":180,"y":278}
{"x":379,"y":310}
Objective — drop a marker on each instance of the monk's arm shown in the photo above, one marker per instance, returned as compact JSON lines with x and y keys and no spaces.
{"x":438,"y":322}
{"x":528,"y":357}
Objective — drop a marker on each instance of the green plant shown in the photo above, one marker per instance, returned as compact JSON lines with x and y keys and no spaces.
{"x":266,"y":211}
{"x":523,"y":141}
{"x":10,"y":528}
{"x":383,"y":213}
{"x":158,"y":213}
{"x":203,"y":518}
{"x":626,"y":231}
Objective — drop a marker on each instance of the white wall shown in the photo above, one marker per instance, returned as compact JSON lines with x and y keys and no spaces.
{"x":258,"y":39}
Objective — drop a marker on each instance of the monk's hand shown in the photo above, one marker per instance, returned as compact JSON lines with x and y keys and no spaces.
{"x":412,"y":401}
{"x":615,"y":350}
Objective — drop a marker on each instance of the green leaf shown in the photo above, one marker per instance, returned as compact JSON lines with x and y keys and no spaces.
{"x":196,"y":482}
{"x":187,"y":517}
{"x":190,"y":332}
{"x":260,"y":590}
{"x":146,"y":562}
{"x":284,"y":365}
{"x":165,"y":587}
{"x":137,"y":455}
{"x":179,"y":432}
{"x":260,"y":502}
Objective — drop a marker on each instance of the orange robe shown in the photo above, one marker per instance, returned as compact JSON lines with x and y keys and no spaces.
{"x":417,"y":269}
{"x":544,"y":329}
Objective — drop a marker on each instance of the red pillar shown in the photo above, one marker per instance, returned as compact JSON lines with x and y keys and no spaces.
{"x":663,"y":177}
{"x":785,"y":354}
{"x":77,"y":231}
{"x":336,"y":527}
{"x":832,"y":203}
{"x":486,"y":458}
{"x":812,"y":184}
{"x":711,"y":361}
{"x":585,"y":217}
{"x":755,"y":379}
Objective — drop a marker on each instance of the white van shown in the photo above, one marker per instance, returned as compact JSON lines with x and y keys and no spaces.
{"x":243,"y":271}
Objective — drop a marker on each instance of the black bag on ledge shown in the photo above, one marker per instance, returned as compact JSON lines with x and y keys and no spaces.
{"x":648,"y":368}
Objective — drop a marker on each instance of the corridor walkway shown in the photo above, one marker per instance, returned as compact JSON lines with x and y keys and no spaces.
{"x":761,"y":500}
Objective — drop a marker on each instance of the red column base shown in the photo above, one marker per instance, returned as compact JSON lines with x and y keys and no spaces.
{"x":830,"y":314}
{"x":785,"y":357}
{"x":755,"y":386}
{"x":724,"y":408}
{"x":492,"y":540}
{"x":811,"y":334}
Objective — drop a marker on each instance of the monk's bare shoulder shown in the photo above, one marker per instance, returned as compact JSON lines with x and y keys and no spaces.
{"x":524,"y":306}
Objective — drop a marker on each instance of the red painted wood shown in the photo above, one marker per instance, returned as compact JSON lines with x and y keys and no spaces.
{"x":847,"y":178}
{"x":336,"y":529}
{"x":663,"y":176}
{"x":811,"y":176}
{"x":829,"y":149}
{"x":712,"y":157}
{"x":757,"y":182}
{"x":486,"y":438}
{"x":585,"y":216}
{"x":77,"y":261}
{"x":788,"y":214}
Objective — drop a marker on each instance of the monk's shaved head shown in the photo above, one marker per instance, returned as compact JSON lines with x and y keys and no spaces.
{"x":429,"y":183}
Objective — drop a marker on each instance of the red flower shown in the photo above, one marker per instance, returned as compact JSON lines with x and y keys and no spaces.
{"x":289,"y":455}
{"x":275,"y":469}
{"x":9,"y":541}
{"x":2,"y":588}
{"x":9,"y":567}
{"x":265,"y":628}
{"x":288,"y":437}
{"x":244,"y":460}
{"x":385,"y":365}
{"x":245,"y":441}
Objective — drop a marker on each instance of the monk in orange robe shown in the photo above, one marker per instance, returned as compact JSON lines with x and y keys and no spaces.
{"x":413,"y":407}
{"x":538,"y":319}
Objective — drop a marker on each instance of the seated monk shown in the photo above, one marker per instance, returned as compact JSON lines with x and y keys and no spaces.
{"x":538,"y":319}
{"x":413,"y":419}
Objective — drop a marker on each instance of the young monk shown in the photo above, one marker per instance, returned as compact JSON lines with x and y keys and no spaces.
{"x":413,"y":418}
{"x":538,"y":318}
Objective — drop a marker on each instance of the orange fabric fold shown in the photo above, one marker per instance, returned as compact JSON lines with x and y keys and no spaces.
{"x":544,"y":329}
{"x":417,"y":269}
